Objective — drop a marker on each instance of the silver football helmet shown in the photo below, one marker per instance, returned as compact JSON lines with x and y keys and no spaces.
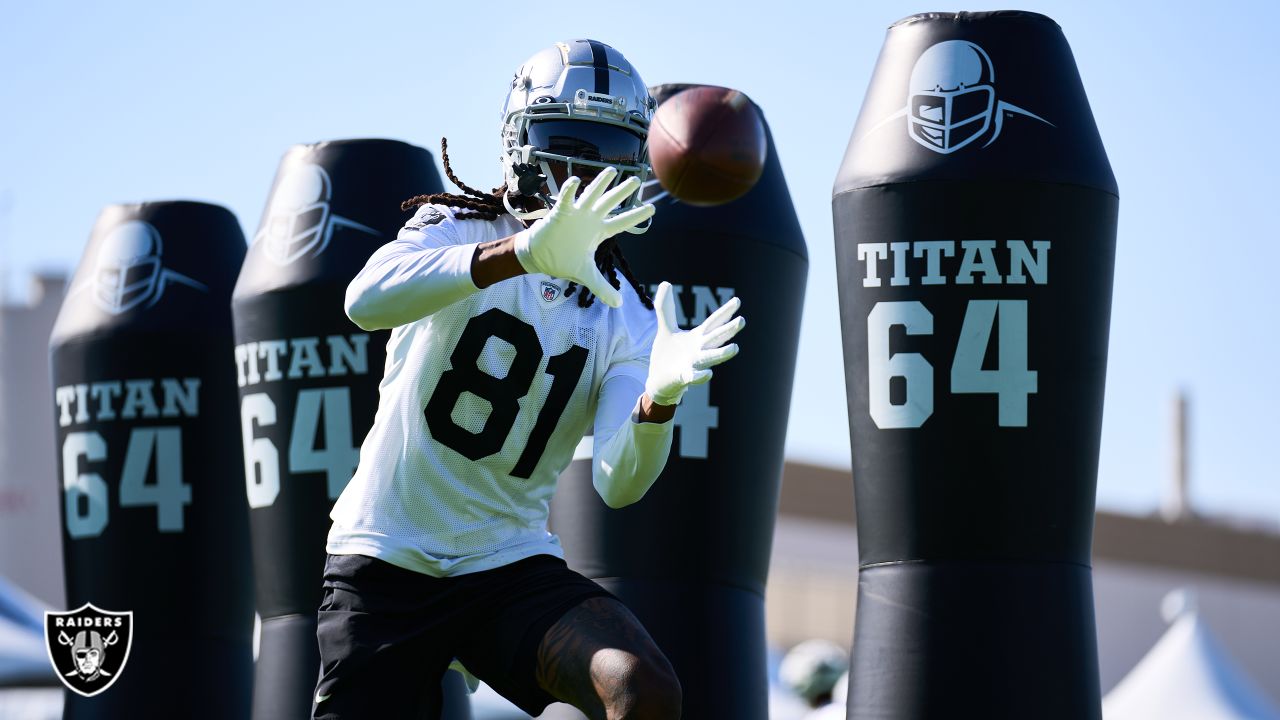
{"x":574,"y":108}
{"x":812,"y":668}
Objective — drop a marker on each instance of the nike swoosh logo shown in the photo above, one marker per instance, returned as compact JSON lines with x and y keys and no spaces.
{"x":321,"y":698}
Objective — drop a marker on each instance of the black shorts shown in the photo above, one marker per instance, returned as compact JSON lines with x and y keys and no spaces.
{"x":387,"y":634}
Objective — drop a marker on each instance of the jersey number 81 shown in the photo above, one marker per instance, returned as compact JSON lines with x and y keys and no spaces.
{"x":502,"y":393}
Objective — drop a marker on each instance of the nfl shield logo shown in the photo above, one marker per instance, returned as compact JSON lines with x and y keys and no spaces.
{"x":88,"y":647}
{"x":550,"y":291}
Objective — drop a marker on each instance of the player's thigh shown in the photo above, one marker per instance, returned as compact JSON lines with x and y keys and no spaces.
{"x":512,"y":608}
{"x":597,"y":656}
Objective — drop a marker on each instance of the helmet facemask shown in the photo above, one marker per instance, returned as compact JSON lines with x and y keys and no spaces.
{"x":949,"y":120}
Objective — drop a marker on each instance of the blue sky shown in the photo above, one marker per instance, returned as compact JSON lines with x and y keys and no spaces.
{"x":103,"y":103}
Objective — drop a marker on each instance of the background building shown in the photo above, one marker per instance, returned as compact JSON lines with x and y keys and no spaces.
{"x":1233,"y":569}
{"x":30,"y":533}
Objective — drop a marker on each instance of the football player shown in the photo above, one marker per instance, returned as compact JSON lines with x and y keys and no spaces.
{"x":512,"y":337}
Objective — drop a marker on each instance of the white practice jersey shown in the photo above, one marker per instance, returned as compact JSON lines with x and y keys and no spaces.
{"x":482,"y":403}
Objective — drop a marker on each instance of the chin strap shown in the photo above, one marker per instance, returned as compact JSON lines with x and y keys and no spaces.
{"x":523,"y":214}
{"x":641,"y":228}
{"x":529,"y":180}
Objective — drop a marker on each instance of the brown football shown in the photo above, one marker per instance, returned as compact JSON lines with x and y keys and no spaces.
{"x":707,"y":145}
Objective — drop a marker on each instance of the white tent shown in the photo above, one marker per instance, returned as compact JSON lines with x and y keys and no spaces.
{"x":1187,"y":676}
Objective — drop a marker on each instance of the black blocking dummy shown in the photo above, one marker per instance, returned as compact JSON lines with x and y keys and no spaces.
{"x":154,"y":519}
{"x":691,"y":559}
{"x":308,"y":381}
{"x":975,"y":222}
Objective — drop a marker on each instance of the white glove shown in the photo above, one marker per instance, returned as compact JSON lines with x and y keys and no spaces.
{"x":680,"y":359}
{"x":563,"y":244}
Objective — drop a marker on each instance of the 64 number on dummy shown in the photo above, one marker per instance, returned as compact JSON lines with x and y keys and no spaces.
{"x":985,"y":321}
{"x":320,"y":438}
{"x":337,"y":459}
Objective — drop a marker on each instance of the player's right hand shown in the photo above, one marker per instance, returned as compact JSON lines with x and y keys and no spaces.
{"x":682,"y":358}
{"x":563,"y":244}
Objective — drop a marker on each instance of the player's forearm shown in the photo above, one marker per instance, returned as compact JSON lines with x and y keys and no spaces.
{"x":403,"y":283}
{"x":652,"y":412}
{"x":626,"y":465}
{"x":495,"y":261}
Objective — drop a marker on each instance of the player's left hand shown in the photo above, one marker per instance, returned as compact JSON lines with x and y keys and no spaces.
{"x":680,"y":359}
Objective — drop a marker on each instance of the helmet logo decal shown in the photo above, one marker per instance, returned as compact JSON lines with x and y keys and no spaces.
{"x":951,"y":99}
{"x":88,"y":647}
{"x":127,"y":272}
{"x":600,"y":62}
{"x":299,"y":221}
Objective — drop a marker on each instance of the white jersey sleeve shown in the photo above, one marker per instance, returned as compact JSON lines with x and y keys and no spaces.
{"x":628,"y":455}
{"x":427,"y":267}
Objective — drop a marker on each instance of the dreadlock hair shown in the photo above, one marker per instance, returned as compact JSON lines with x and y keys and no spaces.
{"x":484,"y":206}
{"x":489,"y":206}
